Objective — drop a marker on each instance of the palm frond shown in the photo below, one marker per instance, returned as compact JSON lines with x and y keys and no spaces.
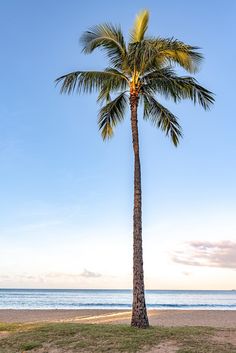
{"x":167,"y":83}
{"x":108,"y":87}
{"x":88,"y":81}
{"x":161,"y":81}
{"x":116,"y":72}
{"x":142,"y":56}
{"x":190,"y":89}
{"x":104,"y":94}
{"x":162,"y":118}
{"x":111,"y":114}
{"x":140,"y":26}
{"x":171,"y":50}
{"x":109,"y":38}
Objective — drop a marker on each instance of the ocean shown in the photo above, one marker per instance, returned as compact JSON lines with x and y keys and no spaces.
{"x":115,"y":299}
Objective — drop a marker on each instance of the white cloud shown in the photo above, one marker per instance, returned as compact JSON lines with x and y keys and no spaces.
{"x":90,"y":274}
{"x":50,"y":276}
{"x":207,"y":253}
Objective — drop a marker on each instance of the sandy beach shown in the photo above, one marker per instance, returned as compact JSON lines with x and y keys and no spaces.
{"x":168,"y":318}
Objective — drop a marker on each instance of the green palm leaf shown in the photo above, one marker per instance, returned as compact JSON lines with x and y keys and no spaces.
{"x":161,"y":81}
{"x":108,"y":87}
{"x":111,"y":114}
{"x":88,"y":81}
{"x":109,"y":38}
{"x":162,"y":118}
{"x":190,"y":89}
{"x":167,"y":83}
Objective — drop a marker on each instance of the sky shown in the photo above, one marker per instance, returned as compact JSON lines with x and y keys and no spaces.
{"x":66,"y":196}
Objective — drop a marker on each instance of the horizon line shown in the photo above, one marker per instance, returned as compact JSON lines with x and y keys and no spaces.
{"x":113,"y":289}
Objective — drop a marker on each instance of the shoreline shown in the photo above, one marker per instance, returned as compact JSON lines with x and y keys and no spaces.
{"x":167,"y":318}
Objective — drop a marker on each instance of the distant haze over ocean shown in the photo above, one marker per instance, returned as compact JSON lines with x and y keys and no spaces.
{"x":115,"y":299}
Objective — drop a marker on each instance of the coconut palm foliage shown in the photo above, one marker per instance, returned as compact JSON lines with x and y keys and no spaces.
{"x":138,"y":72}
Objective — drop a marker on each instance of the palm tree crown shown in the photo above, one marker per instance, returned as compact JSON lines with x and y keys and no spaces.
{"x":143,"y":67}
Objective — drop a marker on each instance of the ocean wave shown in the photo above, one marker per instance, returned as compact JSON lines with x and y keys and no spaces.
{"x":166,"y":305}
{"x":115,"y":299}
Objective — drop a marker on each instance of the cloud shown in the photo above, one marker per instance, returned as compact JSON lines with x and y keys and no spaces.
{"x":51,"y":276}
{"x":4,"y":277}
{"x":186,"y":273}
{"x":18,"y":278}
{"x":61,"y":275}
{"x":209,"y":254}
{"x":90,"y":274}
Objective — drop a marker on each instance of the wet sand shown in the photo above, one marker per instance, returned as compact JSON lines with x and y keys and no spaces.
{"x":213,"y":318}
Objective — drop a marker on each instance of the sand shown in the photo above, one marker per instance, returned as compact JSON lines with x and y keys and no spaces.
{"x":168,"y":318}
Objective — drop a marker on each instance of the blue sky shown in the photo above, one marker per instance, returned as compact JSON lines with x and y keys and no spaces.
{"x":66,"y":196}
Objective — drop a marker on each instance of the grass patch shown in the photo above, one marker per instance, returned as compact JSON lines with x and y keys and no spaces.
{"x":91,"y":338}
{"x":29,"y":346}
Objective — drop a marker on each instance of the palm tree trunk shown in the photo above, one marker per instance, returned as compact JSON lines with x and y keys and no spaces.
{"x":139,"y":312}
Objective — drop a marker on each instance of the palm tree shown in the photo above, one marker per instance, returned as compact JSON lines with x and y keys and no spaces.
{"x":137,"y":72}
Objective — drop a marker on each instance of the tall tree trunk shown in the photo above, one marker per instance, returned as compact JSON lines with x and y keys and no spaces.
{"x":139,"y":311}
